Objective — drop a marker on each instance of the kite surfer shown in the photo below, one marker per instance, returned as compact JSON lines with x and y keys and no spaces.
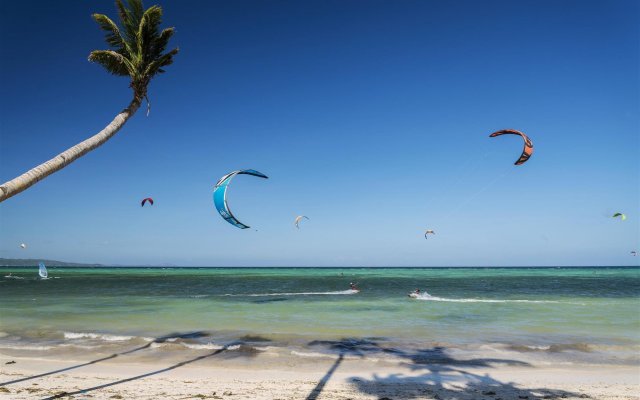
{"x":418,"y":294}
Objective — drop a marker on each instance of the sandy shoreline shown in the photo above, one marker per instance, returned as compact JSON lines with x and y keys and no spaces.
{"x":209,"y":377}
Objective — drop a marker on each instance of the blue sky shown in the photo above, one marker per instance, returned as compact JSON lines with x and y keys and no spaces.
{"x":372,"y":118}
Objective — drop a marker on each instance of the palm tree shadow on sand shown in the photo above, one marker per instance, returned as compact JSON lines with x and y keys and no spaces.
{"x":162,"y":339}
{"x":247,"y":352}
{"x":444,"y":377}
{"x":133,"y":378}
{"x":358,"y":347}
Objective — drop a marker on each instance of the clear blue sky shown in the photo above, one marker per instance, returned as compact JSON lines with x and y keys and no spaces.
{"x":372,"y":118}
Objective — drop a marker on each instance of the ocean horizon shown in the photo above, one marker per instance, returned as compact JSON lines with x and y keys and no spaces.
{"x":132,"y":266}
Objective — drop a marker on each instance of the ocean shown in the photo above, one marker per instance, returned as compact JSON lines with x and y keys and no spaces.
{"x":548,"y":315}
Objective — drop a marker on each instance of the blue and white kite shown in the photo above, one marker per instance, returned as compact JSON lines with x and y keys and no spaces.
{"x":298,"y":219}
{"x":220,"y":195}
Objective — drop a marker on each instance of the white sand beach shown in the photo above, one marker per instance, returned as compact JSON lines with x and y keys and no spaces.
{"x":205,"y":377}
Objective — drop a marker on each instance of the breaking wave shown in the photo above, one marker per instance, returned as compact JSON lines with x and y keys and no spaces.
{"x":100,"y":336}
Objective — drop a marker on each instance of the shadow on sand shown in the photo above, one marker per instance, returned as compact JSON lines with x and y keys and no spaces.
{"x":440,"y":376}
{"x":133,"y":378}
{"x":190,"y":335}
{"x":431,"y":373}
{"x":243,"y":350}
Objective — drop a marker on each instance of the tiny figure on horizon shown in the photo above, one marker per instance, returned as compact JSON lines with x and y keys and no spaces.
{"x":353,"y":286}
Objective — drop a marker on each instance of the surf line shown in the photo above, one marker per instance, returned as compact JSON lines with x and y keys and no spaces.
{"x":340,"y":292}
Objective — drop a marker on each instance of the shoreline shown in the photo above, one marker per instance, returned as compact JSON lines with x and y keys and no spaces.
{"x":209,"y":374}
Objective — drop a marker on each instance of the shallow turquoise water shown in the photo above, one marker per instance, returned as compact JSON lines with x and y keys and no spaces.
{"x":584,"y":308}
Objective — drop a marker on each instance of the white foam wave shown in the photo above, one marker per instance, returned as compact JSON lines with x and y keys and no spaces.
{"x":78,"y":346}
{"x":311,"y":354}
{"x":266,"y":348}
{"x":325,"y":355}
{"x":428,"y":297}
{"x":196,"y":346}
{"x":207,"y":346}
{"x":27,"y":347}
{"x":339,"y":292}
{"x":105,"y":337}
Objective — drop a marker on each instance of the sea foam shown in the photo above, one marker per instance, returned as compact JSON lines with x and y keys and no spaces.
{"x":105,"y":337}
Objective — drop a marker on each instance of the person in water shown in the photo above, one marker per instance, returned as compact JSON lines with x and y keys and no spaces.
{"x":353,"y":286}
{"x":417,"y":291}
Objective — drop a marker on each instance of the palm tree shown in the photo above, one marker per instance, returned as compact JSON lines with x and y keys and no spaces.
{"x":137,"y":49}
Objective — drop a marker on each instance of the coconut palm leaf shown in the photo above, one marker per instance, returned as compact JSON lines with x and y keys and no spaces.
{"x":114,"y":62}
{"x":137,"y":50}
{"x":112,"y":36}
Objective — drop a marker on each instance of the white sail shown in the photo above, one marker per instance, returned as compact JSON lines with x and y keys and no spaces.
{"x":43,"y":271}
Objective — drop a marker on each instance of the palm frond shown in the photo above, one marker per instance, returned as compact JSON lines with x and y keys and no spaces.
{"x":130,"y":18}
{"x":160,"y":42}
{"x":112,"y":36}
{"x":137,"y":42}
{"x":115,"y":63}
{"x":137,"y":9}
{"x":148,"y":30}
{"x":155,"y":67}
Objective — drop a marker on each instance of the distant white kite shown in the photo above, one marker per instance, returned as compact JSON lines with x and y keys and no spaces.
{"x":428,"y":231}
{"x":23,"y":246}
{"x":298,"y":219}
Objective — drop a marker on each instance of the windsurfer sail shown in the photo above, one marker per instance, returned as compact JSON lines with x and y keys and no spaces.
{"x":43,"y":271}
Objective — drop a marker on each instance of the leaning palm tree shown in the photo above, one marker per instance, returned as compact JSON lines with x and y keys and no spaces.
{"x":137,"y":48}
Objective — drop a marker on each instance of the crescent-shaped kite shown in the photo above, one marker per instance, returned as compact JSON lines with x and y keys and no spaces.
{"x":298,"y":219}
{"x":145,"y":201}
{"x":621,"y":215}
{"x":220,"y":195}
{"x":428,"y":231}
{"x":528,"y":145}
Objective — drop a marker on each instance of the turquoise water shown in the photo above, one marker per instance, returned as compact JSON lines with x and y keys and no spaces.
{"x":586,"y":311}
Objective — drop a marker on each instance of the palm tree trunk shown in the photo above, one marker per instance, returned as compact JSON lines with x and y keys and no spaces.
{"x":24,"y":181}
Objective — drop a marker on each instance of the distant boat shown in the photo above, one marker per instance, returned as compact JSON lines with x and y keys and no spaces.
{"x":43,"y":271}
